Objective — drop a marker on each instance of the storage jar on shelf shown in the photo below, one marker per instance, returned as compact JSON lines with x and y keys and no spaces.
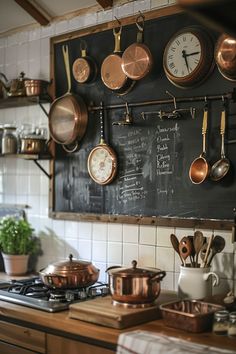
{"x":9,"y":139}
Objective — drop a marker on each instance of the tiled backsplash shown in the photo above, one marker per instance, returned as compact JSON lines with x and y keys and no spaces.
{"x":22,"y":182}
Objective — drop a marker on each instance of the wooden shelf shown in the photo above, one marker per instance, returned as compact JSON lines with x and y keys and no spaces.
{"x":27,"y":156}
{"x":11,"y":102}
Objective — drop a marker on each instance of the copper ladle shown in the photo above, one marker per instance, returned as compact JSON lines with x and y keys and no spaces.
{"x":199,"y":169}
{"x":221,"y":167}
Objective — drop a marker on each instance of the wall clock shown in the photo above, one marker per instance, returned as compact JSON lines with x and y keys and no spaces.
{"x":188,"y":57}
{"x":102,"y":161}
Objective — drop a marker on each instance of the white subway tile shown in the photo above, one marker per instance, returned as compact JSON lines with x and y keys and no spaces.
{"x":227,"y":235}
{"x":23,"y":52}
{"x":99,"y":251}
{"x":99,"y":232}
{"x":61,"y":27}
{"x":115,"y":232}
{"x":168,"y":282}
{"x":124,"y":10}
{"x":130,"y":233}
{"x":71,"y":247}
{"x":59,"y":228}
{"x":180,"y":233}
{"x":104,"y":16}
{"x":224,"y":287}
{"x":9,"y":184}
{"x":115,"y":253}
{"x":158,"y":3}
{"x":90,"y":19}
{"x":71,"y":229}
{"x":34,"y":204}
{"x":165,"y":259}
{"x":85,"y":249}
{"x":43,"y":205}
{"x":163,"y":236}
{"x":47,"y":31}
{"x":75,"y":23}
{"x":142,"y":5}
{"x":85,"y":230}
{"x":22,"y":185}
{"x":146,"y":256}
{"x":102,"y":267}
{"x":130,"y":253}
{"x":147,"y":235}
{"x":34,"y":185}
{"x":12,"y":40}
{"x":2,"y":56}
{"x":223,"y":265}
{"x":34,"y":34}
{"x":44,"y":185}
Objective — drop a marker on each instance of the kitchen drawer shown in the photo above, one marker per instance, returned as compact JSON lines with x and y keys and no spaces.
{"x":59,"y":345}
{"x":24,"y":337}
{"x":6,"y":348}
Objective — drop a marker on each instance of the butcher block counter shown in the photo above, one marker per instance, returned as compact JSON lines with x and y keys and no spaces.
{"x":57,"y":329}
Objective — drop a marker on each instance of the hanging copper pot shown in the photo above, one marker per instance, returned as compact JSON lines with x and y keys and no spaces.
{"x":225,"y":56}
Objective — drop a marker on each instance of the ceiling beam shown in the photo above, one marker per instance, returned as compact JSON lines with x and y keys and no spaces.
{"x":34,"y":12}
{"x":105,"y":3}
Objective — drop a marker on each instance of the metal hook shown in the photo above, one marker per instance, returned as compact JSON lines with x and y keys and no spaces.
{"x":141,"y":24}
{"x":206,"y":103}
{"x":118,"y":21}
{"x":174,"y":99}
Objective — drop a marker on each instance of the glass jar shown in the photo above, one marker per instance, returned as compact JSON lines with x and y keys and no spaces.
{"x":9,"y":140}
{"x":232,"y":325}
{"x":221,"y":322}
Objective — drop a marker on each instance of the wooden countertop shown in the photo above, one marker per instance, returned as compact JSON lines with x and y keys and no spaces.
{"x":59,"y":323}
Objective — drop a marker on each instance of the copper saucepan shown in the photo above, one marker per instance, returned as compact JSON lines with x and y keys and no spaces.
{"x":68,"y":115}
{"x":200,"y":169}
{"x":225,"y":56}
{"x":112,"y":74}
{"x":137,"y":59}
{"x":84,"y":68}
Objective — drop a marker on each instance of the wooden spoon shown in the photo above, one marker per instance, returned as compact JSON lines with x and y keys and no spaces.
{"x":185,"y":249}
{"x":198,"y":241}
{"x":175,"y":244}
{"x":218,"y":244}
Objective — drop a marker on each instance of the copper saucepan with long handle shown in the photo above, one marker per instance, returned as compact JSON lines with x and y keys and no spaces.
{"x":68,"y":115}
{"x":112,"y":74}
{"x":200,"y":169}
{"x":137,"y":59}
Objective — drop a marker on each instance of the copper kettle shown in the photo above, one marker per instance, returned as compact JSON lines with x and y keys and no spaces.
{"x":15,"y":87}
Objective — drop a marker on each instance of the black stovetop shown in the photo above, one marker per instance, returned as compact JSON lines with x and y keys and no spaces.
{"x":33,"y":293}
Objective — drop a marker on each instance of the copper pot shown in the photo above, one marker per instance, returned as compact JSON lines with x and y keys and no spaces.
{"x":134,"y":286}
{"x":35,"y":87}
{"x":225,"y":56}
{"x":69,"y":274}
{"x":33,"y":145}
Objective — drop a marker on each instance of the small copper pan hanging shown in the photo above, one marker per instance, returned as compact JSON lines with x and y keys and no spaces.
{"x":84,"y":68}
{"x":111,"y":71}
{"x":137,"y":59}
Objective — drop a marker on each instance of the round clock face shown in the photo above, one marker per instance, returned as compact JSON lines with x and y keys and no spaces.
{"x":102,"y":164}
{"x":188,"y":57}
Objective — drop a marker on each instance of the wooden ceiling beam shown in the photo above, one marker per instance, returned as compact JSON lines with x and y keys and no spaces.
{"x":105,"y":3}
{"x":34,"y":12}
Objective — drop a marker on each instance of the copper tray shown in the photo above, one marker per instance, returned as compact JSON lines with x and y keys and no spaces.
{"x":189,"y":315}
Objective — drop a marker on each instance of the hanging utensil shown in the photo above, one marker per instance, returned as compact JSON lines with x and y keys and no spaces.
{"x":218,"y":244}
{"x":208,"y":250}
{"x":200,"y":168}
{"x":185,"y":249}
{"x":221,"y":167}
{"x":175,"y":244}
{"x":112,"y":74}
{"x":102,"y":160}
{"x":84,"y":68}
{"x":128,"y":119}
{"x":198,"y":241}
{"x":68,"y":115}
{"x":137,"y":59}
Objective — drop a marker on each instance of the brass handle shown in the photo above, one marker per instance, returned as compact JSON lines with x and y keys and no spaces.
{"x":65,"y":52}
{"x":222,"y":133}
{"x":117,"y":35}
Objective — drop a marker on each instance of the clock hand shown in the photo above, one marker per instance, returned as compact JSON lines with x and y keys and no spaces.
{"x":184,"y":55}
{"x":188,"y":55}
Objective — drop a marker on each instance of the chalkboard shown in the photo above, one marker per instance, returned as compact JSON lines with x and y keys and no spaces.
{"x":154,"y":155}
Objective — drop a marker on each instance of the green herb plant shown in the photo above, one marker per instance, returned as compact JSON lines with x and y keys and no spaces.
{"x":16,"y":237}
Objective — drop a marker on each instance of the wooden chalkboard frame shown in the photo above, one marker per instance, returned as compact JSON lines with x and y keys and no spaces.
{"x":144,"y":220}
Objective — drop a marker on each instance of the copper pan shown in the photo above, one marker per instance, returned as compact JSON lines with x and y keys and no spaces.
{"x":68,"y":115}
{"x":200,"y":169}
{"x":84,"y":68}
{"x":137,"y":59}
{"x":112,"y":74}
{"x":225,"y":56}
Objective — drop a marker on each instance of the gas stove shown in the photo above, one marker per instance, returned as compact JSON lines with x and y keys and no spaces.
{"x":33,"y":293}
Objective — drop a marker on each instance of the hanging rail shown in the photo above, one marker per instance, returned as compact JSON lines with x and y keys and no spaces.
{"x":230,"y":95}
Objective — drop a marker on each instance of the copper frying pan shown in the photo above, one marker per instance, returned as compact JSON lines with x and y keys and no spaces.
{"x":137,"y":59}
{"x":111,"y":71}
{"x":68,"y":115}
{"x":84,"y":68}
{"x":225,"y":56}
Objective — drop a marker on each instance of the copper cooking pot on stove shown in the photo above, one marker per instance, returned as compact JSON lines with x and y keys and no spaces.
{"x":134,"y":286}
{"x":69,"y":274}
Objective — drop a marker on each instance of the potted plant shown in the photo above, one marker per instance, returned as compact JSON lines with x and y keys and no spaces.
{"x":16,"y":244}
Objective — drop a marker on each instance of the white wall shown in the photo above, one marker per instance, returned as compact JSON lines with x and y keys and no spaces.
{"x":21,"y":182}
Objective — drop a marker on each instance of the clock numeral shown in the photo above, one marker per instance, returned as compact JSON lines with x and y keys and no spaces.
{"x":173,"y":49}
{"x":177,"y":42}
{"x":196,"y":61}
{"x":170,"y":57}
{"x":172,"y":65}
{"x":184,"y":38}
{"x":176,"y":71}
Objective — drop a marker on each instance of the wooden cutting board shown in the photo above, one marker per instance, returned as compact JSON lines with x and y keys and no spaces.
{"x":101,"y":311}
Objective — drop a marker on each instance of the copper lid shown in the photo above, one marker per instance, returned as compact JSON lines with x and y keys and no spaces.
{"x":69,"y":265}
{"x":81,"y":70}
{"x":134,"y":271}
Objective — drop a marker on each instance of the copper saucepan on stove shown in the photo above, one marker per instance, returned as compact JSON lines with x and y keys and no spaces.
{"x":68,"y":115}
{"x":137,"y":59}
{"x":200,"y":169}
{"x":134,"y":286}
{"x":112,"y":74}
{"x":69,"y":274}
{"x":225,"y":56}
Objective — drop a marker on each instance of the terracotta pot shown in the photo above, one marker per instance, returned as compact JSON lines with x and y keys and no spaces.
{"x":15,"y":264}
